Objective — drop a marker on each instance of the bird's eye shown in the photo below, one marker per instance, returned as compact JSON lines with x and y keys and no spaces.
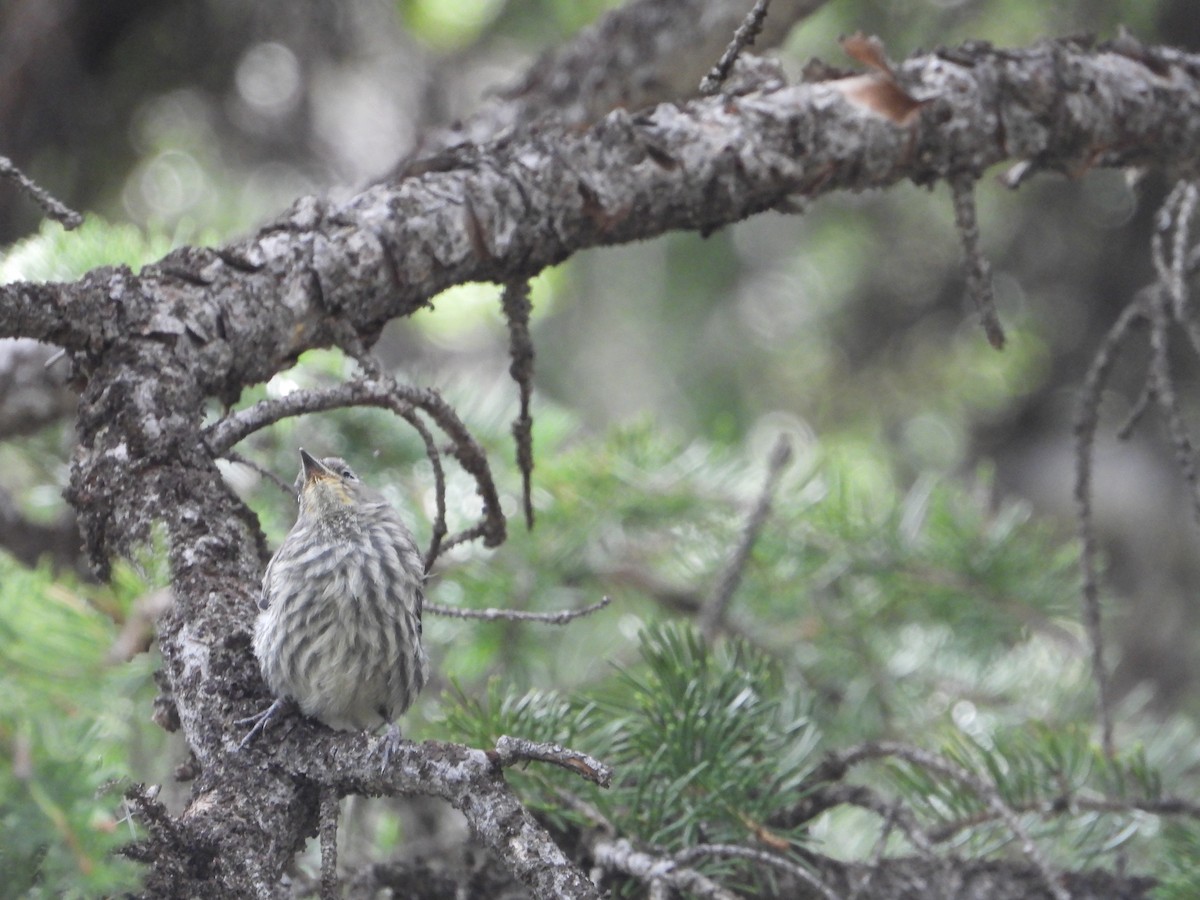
{"x":347,"y":473}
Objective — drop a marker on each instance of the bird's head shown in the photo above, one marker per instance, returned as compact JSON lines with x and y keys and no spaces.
{"x":325,"y":486}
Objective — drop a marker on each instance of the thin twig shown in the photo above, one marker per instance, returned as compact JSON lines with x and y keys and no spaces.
{"x":1144,"y":401}
{"x":714,"y":612}
{"x":387,"y":394}
{"x":979,"y":271}
{"x":585,"y":809}
{"x":1168,"y":302}
{"x":1179,"y":249}
{"x":743,"y":37}
{"x":373,"y":370}
{"x":1174,"y":218}
{"x":1087,"y":420}
{"x":562,"y":617}
{"x":439,"y":487}
{"x":1168,"y":403}
{"x":287,"y":487}
{"x":512,"y":750}
{"x":1184,"y":261}
{"x":660,"y":871}
{"x":762,"y":857}
{"x":54,"y":208}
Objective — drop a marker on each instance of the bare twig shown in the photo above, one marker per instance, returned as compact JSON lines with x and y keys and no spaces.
{"x":55,"y":209}
{"x":979,"y":271}
{"x":400,"y":399}
{"x":516,"y":312}
{"x":1174,"y":218}
{"x":512,"y":750}
{"x":438,"y":532}
{"x":1158,"y":304}
{"x":762,"y":857}
{"x":1167,"y":302}
{"x":585,"y":809}
{"x":620,"y":856}
{"x":1144,"y":401}
{"x":1164,"y":392}
{"x":287,"y":487}
{"x":373,"y":370}
{"x":1086,"y":422}
{"x":714,"y":612}
{"x":561,"y":617}
{"x":750,"y":28}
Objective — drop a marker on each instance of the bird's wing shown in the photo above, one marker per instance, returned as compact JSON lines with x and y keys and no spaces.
{"x":264,"y":596}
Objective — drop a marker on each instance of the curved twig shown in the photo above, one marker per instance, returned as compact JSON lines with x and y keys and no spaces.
{"x":400,"y":399}
{"x":1086,"y":422}
{"x":512,"y":750}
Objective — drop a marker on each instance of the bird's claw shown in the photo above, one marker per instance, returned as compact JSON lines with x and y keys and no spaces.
{"x":389,"y":745}
{"x":260,"y":721}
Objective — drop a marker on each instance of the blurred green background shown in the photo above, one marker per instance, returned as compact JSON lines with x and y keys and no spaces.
{"x":917,"y":577}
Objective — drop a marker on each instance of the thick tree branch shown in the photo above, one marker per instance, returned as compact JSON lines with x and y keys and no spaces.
{"x":504,"y":212}
{"x":469,"y":780}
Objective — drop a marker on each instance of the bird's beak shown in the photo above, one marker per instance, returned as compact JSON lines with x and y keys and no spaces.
{"x":314,"y":469}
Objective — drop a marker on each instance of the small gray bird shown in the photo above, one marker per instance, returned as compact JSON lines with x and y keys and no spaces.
{"x":339,"y":631}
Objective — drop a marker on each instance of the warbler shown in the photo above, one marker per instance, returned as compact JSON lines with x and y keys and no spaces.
{"x":339,"y":627}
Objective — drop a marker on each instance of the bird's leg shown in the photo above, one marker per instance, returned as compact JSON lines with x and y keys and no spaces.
{"x":261,"y":720}
{"x":389,"y":744}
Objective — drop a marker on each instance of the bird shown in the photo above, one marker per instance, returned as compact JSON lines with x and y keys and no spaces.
{"x":339,"y":624}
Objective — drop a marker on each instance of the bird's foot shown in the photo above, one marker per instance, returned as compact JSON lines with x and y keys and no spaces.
{"x":390,"y":744}
{"x":260,"y":721}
